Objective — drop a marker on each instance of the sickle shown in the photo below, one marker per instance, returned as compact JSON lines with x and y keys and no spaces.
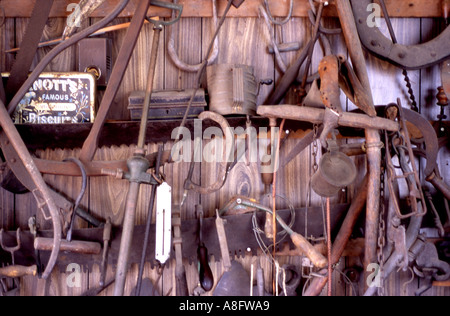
{"x":405,"y":56}
{"x":430,"y":138}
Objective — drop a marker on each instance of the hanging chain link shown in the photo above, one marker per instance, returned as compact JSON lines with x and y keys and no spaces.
{"x":381,"y":233}
{"x":315,"y":148}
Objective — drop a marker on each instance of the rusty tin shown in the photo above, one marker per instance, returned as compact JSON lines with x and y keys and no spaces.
{"x":58,"y":98}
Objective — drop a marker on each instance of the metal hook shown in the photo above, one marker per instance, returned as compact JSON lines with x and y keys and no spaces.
{"x":176,"y":59}
{"x":269,"y":14}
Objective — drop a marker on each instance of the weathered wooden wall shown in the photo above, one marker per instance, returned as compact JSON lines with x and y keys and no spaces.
{"x":242,"y":40}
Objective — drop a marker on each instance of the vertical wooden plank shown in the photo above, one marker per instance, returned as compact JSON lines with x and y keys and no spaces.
{"x":7,"y":41}
{"x":6,"y":206}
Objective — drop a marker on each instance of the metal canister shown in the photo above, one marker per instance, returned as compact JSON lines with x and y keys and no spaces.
{"x":232,"y":89}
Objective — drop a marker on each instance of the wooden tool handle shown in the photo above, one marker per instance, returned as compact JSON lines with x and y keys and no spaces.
{"x":18,"y":271}
{"x":83,"y":247}
{"x":206,"y":275}
{"x":312,"y":253}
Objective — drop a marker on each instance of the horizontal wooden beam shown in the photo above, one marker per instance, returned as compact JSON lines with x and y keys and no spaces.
{"x":203,"y":8}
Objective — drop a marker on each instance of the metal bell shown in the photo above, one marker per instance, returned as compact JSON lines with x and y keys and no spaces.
{"x":336,"y":171}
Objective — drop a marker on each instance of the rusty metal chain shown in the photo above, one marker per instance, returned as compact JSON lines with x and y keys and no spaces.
{"x":381,"y":233}
{"x":412,"y":97}
{"x":315,"y":148}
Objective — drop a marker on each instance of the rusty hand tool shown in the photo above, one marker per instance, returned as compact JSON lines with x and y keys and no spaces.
{"x":405,"y":56}
{"x":228,"y":145}
{"x":205,"y":273}
{"x":83,"y":247}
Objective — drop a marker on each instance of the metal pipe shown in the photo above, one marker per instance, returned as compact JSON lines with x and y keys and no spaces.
{"x":127,"y":238}
{"x":151,"y":78}
{"x":148,"y":224}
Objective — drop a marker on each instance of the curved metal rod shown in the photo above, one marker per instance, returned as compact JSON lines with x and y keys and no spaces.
{"x":80,"y":196}
{"x":283,"y":22}
{"x":176,"y":59}
{"x":58,"y":49}
{"x":228,"y":144}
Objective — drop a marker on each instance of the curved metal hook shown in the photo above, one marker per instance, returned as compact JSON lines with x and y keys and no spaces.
{"x":289,"y":16}
{"x":176,"y":59}
{"x":227,"y":154}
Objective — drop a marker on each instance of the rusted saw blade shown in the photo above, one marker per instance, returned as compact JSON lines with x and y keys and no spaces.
{"x":445,"y":75}
{"x":239,"y":231}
